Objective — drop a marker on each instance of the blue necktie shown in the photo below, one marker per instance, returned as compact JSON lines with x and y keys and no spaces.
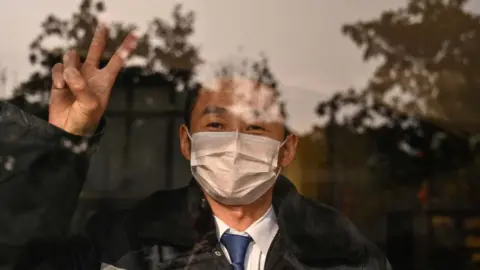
{"x":237,"y":248}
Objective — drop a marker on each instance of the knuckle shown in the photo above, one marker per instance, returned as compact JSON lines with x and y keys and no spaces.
{"x":96,"y":40}
{"x":78,"y":84}
{"x":122,"y":53}
{"x":93,"y":105}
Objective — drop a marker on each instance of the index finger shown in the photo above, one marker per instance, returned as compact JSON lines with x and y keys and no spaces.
{"x":97,"y":46}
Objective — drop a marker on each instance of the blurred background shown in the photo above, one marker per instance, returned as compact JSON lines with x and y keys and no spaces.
{"x":384,"y":95}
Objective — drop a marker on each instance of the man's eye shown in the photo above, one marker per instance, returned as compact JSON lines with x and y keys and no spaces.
{"x":214,"y":125}
{"x":255,"y":127}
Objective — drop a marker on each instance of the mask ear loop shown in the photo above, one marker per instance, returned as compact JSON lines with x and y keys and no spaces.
{"x":278,"y":152}
{"x":278,"y":165}
{"x":191,"y":145}
{"x":189,"y":136}
{"x":283,"y":143}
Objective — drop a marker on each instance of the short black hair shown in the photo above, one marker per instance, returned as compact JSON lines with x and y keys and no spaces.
{"x":190,"y":101}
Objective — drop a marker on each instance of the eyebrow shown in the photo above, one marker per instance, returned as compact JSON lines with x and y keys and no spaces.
{"x":214,"y":110}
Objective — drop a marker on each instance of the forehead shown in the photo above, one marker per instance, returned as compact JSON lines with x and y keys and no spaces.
{"x":242,"y":98}
{"x":208,"y":96}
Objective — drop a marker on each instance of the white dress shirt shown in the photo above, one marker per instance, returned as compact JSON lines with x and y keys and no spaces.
{"x":262,"y":232}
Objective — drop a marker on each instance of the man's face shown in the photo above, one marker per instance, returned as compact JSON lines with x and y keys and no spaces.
{"x":241,"y":106}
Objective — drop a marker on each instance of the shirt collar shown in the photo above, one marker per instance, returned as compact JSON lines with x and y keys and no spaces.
{"x":262,"y":231}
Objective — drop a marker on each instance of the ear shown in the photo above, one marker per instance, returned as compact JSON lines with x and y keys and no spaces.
{"x":184,"y":141}
{"x":288,"y":150}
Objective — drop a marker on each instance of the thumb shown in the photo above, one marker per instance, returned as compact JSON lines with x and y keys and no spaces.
{"x":77,"y":86}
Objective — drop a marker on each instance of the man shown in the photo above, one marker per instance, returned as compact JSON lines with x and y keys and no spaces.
{"x":235,"y":214}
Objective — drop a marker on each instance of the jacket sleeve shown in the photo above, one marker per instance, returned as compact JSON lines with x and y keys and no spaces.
{"x":42,"y":172}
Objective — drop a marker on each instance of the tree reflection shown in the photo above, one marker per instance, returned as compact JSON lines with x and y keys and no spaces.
{"x":417,"y":120}
{"x":429,"y":59}
{"x":163,"y":48}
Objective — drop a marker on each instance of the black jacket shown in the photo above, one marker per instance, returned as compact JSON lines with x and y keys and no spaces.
{"x":41,"y":178}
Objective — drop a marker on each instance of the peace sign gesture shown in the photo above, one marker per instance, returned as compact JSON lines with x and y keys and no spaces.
{"x":80,"y":91}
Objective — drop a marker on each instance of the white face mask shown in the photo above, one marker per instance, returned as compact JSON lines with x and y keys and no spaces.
{"x":232,"y":167}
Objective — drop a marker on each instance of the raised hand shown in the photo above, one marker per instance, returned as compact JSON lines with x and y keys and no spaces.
{"x":80,"y":91}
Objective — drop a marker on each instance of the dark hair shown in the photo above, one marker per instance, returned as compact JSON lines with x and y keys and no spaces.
{"x":191,"y":100}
